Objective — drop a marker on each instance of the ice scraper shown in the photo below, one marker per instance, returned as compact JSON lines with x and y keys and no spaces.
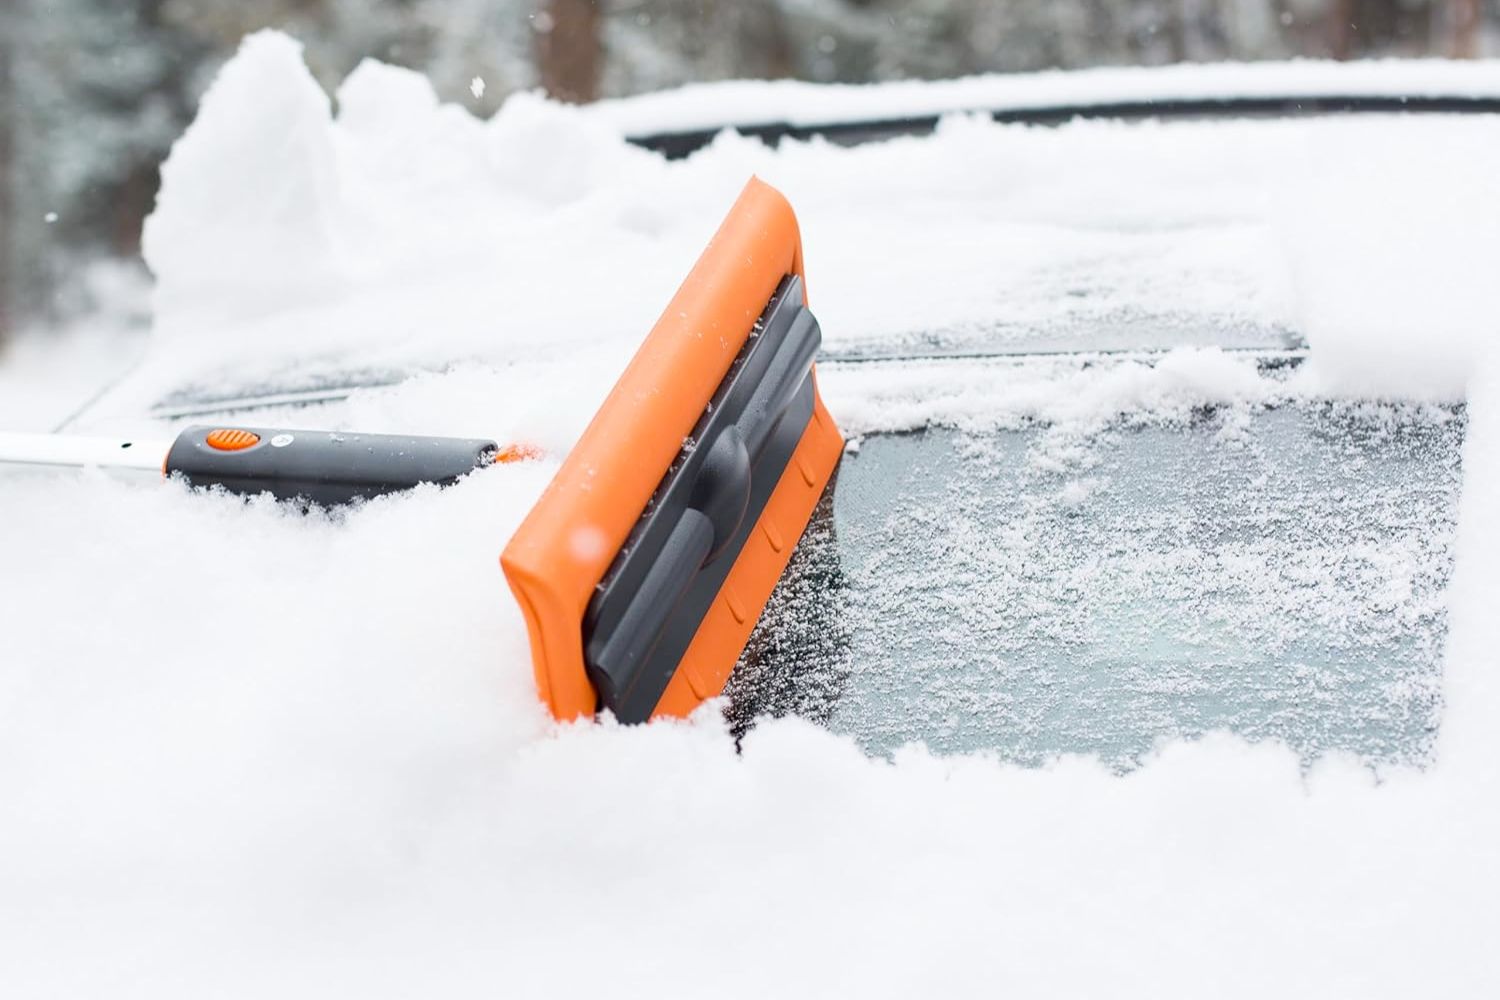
{"x":645,"y":564}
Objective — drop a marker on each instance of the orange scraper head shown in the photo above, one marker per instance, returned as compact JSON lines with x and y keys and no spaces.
{"x":645,"y":564}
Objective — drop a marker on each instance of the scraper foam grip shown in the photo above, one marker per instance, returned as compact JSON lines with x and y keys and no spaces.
{"x":643,"y":568}
{"x":321,"y":467}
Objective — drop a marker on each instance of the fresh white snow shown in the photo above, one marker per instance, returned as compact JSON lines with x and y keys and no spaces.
{"x":246,"y":752}
{"x":793,"y":102}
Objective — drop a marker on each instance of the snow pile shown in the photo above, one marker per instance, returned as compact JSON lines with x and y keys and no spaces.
{"x":262,"y":136}
{"x":248,"y":753}
{"x":292,"y":243}
{"x":1398,"y":300}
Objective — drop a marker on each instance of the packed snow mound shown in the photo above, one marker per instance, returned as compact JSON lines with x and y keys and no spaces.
{"x":399,"y":232}
{"x":252,"y":753}
{"x":249,"y":219}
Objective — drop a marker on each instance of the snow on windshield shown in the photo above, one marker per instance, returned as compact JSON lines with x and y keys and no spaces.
{"x":1275,"y":573}
{"x":248,"y":752}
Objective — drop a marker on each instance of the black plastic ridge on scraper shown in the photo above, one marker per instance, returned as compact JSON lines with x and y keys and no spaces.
{"x":650,"y":603}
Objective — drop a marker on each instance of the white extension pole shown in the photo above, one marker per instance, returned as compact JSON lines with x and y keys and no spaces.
{"x":78,"y":452}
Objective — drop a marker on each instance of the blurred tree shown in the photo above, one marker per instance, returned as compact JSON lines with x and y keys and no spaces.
{"x":1360,"y":28}
{"x":1463,"y":18}
{"x":92,"y":92}
{"x":95,"y":97}
{"x":659,"y":43}
{"x":569,"y":49}
{"x":451,"y":41}
{"x":8,"y":39}
{"x":1341,"y":28}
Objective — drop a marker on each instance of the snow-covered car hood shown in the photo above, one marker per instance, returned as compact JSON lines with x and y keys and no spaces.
{"x":247,"y":750}
{"x":750,"y":103}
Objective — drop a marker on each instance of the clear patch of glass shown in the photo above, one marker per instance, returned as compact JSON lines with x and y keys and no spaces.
{"x":1278,"y":573}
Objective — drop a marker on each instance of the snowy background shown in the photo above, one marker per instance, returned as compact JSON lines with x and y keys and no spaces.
{"x":93,"y":92}
{"x":245,"y":752}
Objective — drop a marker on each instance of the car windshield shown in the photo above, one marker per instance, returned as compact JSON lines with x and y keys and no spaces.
{"x":1275,"y":574}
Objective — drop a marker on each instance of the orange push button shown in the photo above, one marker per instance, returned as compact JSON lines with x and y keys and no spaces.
{"x":225,"y":439}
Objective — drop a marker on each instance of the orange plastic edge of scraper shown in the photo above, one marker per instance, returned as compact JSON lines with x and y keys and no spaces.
{"x":568,"y":540}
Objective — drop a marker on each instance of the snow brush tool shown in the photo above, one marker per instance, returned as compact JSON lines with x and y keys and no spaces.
{"x":643,"y":567}
{"x":645,"y":564}
{"x":323,"y":467}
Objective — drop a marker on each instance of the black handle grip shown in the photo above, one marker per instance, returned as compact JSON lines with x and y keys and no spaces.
{"x":323,"y":467}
